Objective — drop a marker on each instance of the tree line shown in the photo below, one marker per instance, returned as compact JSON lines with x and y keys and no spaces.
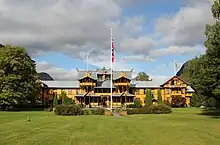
{"x":203,"y":72}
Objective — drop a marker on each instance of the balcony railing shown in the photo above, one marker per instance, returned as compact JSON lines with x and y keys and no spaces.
{"x":87,"y":84}
{"x":122,"y":84}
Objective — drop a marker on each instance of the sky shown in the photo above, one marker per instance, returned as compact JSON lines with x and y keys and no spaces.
{"x":149,"y":35}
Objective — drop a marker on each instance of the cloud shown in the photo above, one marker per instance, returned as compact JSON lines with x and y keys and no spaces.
{"x":187,"y":26}
{"x":140,"y":58}
{"x":64,"y":26}
{"x":139,"y":45}
{"x":173,"y":50}
{"x":73,"y":27}
{"x":55,"y":72}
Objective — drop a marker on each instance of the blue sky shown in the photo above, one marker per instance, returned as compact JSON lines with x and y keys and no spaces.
{"x":149,"y":34}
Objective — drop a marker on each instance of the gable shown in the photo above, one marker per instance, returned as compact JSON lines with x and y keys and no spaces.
{"x":175,"y":81}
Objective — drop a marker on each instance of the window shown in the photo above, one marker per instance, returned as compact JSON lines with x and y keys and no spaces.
{"x":167,"y":91}
{"x":69,"y":92}
{"x":130,"y":99}
{"x":115,"y":99}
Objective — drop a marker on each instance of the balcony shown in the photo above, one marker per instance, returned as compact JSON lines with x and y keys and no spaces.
{"x":122,"y":84}
{"x":87,"y":84}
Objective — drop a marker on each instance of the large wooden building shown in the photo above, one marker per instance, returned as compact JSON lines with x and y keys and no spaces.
{"x":93,"y":88}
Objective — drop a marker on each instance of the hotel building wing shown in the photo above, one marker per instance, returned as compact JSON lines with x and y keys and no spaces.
{"x":93,"y":88}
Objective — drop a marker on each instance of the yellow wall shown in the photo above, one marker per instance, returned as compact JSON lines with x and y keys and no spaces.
{"x":139,"y":92}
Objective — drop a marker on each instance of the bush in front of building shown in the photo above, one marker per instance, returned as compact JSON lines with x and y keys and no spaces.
{"x":137,"y":104}
{"x":68,"y":110}
{"x":95,"y":111}
{"x":159,"y":109}
{"x":152,"y":109}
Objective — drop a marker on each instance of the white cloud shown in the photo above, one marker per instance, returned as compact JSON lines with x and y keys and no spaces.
{"x":55,"y":72}
{"x":73,"y":27}
{"x":187,"y":26}
{"x":53,"y":25}
{"x":140,"y":45}
{"x":182,"y":50}
{"x":134,"y":24}
{"x":140,"y":58}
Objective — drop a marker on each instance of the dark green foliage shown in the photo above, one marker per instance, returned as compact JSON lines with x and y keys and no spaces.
{"x":197,"y":100}
{"x":152,"y":109}
{"x":96,"y":111}
{"x":178,"y":101}
{"x":159,"y":109}
{"x":66,"y":100}
{"x":55,"y":100}
{"x":142,"y":76}
{"x":149,"y":97}
{"x":167,"y":102}
{"x":160,"y":101}
{"x":203,"y":72}
{"x":68,"y":110}
{"x":18,"y":77}
{"x":131,"y":111}
{"x":45,"y":76}
{"x":137,"y":104}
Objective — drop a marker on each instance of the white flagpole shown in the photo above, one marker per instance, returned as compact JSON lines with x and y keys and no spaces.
{"x":111,"y":70}
{"x":175,"y":69}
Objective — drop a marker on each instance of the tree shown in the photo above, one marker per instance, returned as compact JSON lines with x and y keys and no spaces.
{"x":142,"y":76}
{"x":159,"y":98}
{"x":203,"y":72}
{"x":65,"y":99}
{"x":18,"y":77}
{"x":55,"y":100}
{"x":149,"y":98}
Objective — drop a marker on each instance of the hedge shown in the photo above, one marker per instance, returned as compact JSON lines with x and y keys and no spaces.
{"x":68,"y":110}
{"x":152,"y":109}
{"x":74,"y":109}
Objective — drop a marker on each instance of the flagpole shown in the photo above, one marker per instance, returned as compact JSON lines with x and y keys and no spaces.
{"x":175,"y":68}
{"x":111,"y":71}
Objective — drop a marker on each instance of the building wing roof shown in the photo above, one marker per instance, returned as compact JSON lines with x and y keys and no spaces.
{"x":189,"y":89}
{"x":61,"y":84}
{"x":155,"y":82}
{"x":105,"y":84}
{"x":82,"y":74}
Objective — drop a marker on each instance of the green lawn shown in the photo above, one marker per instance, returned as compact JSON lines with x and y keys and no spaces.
{"x":182,"y":127}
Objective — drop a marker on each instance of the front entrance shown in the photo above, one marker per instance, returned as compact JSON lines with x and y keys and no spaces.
{"x":123,"y":100}
{"x":104,"y":101}
{"x":87,"y":100}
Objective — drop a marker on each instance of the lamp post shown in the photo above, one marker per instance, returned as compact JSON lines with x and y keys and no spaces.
{"x":87,"y":58}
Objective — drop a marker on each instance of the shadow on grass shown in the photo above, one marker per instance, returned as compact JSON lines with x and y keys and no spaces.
{"x":212,"y":112}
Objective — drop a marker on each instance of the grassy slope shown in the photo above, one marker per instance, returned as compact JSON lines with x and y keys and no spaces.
{"x":183,"y":127}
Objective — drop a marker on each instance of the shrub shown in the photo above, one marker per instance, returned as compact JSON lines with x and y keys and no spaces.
{"x":149,"y":98}
{"x":167,"y":102}
{"x":159,"y":109}
{"x":98,"y":111}
{"x":55,"y":101}
{"x":159,"y":97}
{"x":137,"y":104}
{"x":131,"y":111}
{"x":68,"y":110}
{"x":143,"y":110}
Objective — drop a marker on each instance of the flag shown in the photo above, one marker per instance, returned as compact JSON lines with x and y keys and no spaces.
{"x":113,"y":54}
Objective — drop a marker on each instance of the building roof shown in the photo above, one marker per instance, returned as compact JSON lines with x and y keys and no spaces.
{"x":61,"y":84}
{"x":190,"y":89}
{"x":116,"y":73}
{"x":154,"y":83}
{"x":106,"y":84}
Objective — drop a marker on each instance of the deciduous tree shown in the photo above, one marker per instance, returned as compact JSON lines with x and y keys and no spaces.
{"x":18,"y":77}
